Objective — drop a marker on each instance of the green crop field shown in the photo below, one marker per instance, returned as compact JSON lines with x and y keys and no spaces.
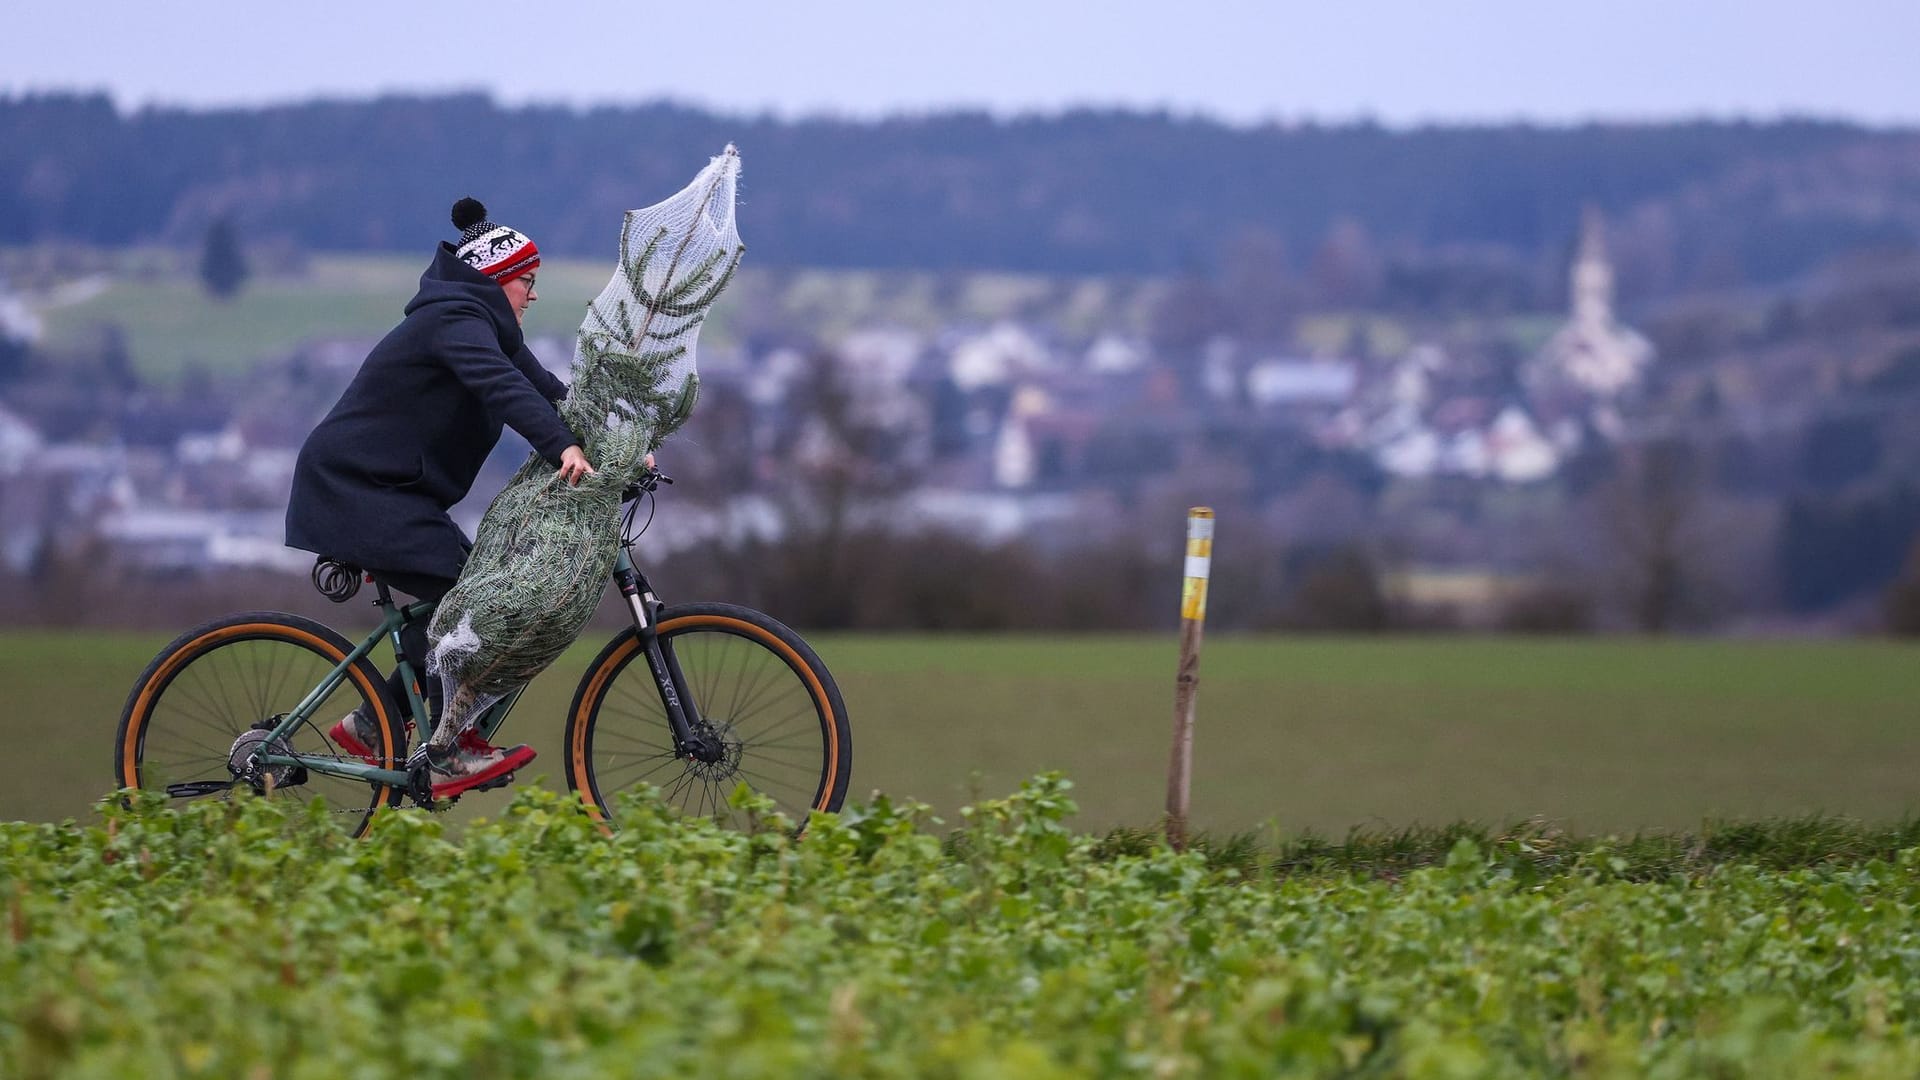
{"x":1014,"y":938}
{"x":1293,"y":733}
{"x":238,"y":940}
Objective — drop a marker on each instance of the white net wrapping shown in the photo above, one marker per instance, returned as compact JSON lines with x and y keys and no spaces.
{"x":544,"y":550}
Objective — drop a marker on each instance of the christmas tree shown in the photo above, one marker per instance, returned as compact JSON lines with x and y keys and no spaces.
{"x":544,"y":550}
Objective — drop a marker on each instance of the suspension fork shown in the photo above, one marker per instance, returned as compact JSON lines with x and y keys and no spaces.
{"x":691,"y":737}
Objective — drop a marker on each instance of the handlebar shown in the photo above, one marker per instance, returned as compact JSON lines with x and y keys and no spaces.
{"x":648,"y":481}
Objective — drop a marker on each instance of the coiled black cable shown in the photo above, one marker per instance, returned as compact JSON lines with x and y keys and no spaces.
{"x":337,"y":581}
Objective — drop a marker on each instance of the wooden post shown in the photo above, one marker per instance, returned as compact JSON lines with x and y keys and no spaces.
{"x":1193,"y":618}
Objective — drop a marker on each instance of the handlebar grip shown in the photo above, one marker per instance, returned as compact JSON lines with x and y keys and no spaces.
{"x":647,"y":482}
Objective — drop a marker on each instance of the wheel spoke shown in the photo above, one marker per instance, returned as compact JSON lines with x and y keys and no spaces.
{"x":169,"y":763}
{"x":621,"y":736}
{"x":179,"y":741}
{"x":808,"y":770}
{"x":746,"y":694}
{"x":770,"y":783}
{"x":631,"y":754}
{"x":782,"y":723}
{"x":803,"y":744}
{"x":680,"y":784}
{"x":639,"y":702}
{"x":217,"y":715}
{"x":666,"y":764}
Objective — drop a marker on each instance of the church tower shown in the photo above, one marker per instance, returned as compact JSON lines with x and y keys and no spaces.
{"x":1592,"y":275}
{"x":1592,"y":352}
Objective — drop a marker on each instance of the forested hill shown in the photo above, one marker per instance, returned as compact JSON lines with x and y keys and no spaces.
{"x":1079,"y":192}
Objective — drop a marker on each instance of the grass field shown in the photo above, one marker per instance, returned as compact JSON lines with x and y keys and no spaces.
{"x":1293,"y":733}
{"x":170,"y":322}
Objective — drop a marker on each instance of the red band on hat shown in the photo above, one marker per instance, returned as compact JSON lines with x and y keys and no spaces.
{"x":519,"y":263}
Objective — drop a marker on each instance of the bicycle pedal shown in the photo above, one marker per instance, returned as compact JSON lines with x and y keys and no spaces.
{"x":496,"y":782}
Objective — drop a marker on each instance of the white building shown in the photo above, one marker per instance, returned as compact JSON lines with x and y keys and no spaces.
{"x":1517,"y":452}
{"x":1002,"y":353}
{"x":1111,"y":354}
{"x":19,"y":442}
{"x":1278,"y":382}
{"x":1015,"y":462}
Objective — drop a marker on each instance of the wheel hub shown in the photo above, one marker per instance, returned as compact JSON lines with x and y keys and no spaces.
{"x":716,"y":753}
{"x":243,"y":761}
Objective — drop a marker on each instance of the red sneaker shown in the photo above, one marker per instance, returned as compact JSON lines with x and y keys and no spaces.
{"x":354,"y":734}
{"x":473,"y":763}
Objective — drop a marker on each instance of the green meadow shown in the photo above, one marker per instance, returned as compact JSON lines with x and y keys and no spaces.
{"x":1293,"y":733}
{"x":171,"y":324}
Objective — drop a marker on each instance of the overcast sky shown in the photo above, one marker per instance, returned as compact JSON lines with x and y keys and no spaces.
{"x":1399,"y":62}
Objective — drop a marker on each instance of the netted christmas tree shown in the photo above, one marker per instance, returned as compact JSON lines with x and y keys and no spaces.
{"x":544,"y":550}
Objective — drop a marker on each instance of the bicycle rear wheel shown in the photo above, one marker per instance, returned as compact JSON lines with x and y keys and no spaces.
{"x":230,"y":679}
{"x":756,"y":684}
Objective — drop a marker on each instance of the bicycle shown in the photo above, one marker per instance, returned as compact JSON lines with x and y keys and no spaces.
{"x":732,"y":695}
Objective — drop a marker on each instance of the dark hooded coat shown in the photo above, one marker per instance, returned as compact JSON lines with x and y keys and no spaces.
{"x":375,"y":479}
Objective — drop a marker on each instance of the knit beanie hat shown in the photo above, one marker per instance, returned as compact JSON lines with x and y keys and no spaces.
{"x":495,"y":250}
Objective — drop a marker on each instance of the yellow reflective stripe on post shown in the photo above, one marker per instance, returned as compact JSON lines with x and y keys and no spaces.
{"x":1193,"y":592}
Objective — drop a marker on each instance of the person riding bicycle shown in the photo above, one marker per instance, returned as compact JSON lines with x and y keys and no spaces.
{"x":375,"y":479}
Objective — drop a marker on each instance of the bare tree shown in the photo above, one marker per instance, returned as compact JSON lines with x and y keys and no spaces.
{"x":1900,"y":603}
{"x":805,"y":548}
{"x":1652,"y":517}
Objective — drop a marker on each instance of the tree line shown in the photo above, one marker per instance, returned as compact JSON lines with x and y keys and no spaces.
{"x":1084,"y":191}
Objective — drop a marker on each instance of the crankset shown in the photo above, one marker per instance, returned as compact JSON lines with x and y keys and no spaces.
{"x":420,"y":784}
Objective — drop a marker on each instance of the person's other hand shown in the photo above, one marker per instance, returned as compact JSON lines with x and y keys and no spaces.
{"x":649,"y":461}
{"x":574,"y":466}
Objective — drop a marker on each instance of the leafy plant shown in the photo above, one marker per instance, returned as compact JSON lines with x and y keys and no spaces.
{"x":247,"y":938}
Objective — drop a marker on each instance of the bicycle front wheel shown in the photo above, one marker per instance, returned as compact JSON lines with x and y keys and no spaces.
{"x":757,"y":686}
{"x":214,"y":692}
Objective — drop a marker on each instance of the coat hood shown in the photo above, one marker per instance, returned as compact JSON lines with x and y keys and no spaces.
{"x":449,"y":280}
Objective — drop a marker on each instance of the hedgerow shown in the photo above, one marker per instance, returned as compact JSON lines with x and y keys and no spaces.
{"x":250,"y":939}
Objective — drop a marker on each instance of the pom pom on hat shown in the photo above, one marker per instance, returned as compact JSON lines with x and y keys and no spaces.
{"x":495,"y":250}
{"x":468,"y":212}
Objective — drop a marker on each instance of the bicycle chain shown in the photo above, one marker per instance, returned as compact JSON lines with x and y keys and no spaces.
{"x":436,"y":806}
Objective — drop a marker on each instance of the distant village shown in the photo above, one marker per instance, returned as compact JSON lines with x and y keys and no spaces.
{"x":1007,"y":428}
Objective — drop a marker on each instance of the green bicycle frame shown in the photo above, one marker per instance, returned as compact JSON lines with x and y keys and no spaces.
{"x":690,"y":734}
{"x":392,"y":619}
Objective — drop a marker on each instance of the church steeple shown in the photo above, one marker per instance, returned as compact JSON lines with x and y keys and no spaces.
{"x":1592,"y":352}
{"x":1592,"y":274}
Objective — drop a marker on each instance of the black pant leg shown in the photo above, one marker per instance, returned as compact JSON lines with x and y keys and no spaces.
{"x":413,"y":635}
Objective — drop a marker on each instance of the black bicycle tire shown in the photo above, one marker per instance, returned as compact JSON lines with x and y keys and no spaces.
{"x":203,"y":640}
{"x":619,"y":653}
